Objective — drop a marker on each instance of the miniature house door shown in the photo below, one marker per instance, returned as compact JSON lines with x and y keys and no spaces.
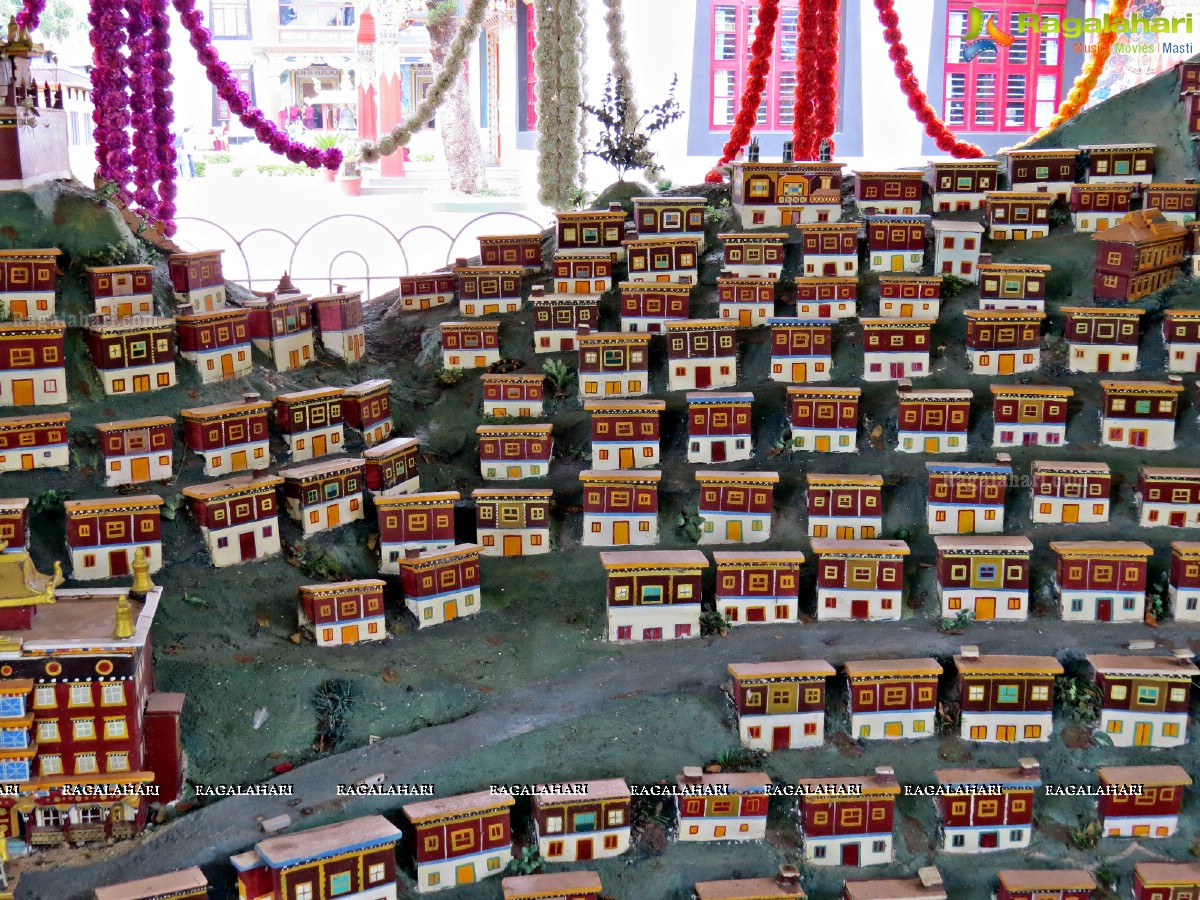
{"x":1008,"y":363}
{"x":19,"y":309}
{"x":985,"y":608}
{"x":583,"y":849}
{"x":703,"y":377}
{"x":118,"y":563}
{"x":248,"y":545}
{"x":625,"y":455}
{"x":512,"y":545}
{"x":1070,"y":512}
{"x":733,"y":531}
{"x":620,"y":533}
{"x":226,"y":365}
{"x":1104,"y":609}
{"x":781,"y":737}
{"x":989,"y":840}
{"x":1177,"y":519}
{"x":1102,"y":361}
{"x":799,"y":372}
{"x":464,"y":874}
{"x":1142,"y":732}
{"x":966,"y":521}
{"x":449,"y":610}
{"x":718,"y":452}
{"x":318,"y":446}
{"x":906,"y":310}
{"x":140,"y":469}
{"x":850,"y":854}
{"x":824,"y":309}
{"x":22,"y":392}
{"x":859,"y":609}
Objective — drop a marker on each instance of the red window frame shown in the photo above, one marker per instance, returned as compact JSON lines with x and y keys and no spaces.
{"x":731,"y":32}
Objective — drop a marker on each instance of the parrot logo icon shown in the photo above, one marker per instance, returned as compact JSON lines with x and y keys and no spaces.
{"x":983,"y":33}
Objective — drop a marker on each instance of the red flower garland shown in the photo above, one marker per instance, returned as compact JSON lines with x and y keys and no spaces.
{"x":804,"y":111}
{"x":947,"y":141}
{"x":30,"y":14}
{"x":759,"y":68}
{"x":825,"y":113}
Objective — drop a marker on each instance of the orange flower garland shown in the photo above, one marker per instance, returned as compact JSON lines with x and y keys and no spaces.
{"x":758,"y":69}
{"x":807,"y":59}
{"x":830,"y":20}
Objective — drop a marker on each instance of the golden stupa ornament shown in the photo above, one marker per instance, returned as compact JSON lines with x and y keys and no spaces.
{"x":142,"y":585}
{"x":125,"y":627}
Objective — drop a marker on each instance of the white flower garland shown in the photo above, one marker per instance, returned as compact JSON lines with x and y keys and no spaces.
{"x":614,"y":20}
{"x":558,"y":62}
{"x":464,"y":40}
{"x":545,"y":63}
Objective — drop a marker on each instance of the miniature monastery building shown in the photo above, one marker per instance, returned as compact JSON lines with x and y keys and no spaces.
{"x":574,"y":825}
{"x":1119,"y":162}
{"x":785,"y":886}
{"x":896,"y":243}
{"x":343,"y":612}
{"x":428,"y":290}
{"x":511,"y":250}
{"x":1097,"y":207}
{"x":1101,"y":339}
{"x":217,"y":343}
{"x":441,"y":585}
{"x":985,"y":576}
{"x":1168,"y":496}
{"x":1004,"y":342}
{"x":821,"y":297}
{"x":422,"y":521}
{"x":1040,"y":169}
{"x":620,"y":508}
{"x":1101,"y":581}
{"x":34,"y":442}
{"x":653,"y":595}
{"x":356,"y":857}
{"x":281,"y":327}
{"x":753,"y":255}
{"x":786,"y":193}
{"x":14,"y":524}
{"x":392,"y":467}
{"x":927,"y":885}
{"x":1029,"y":415}
{"x":648,"y":305}
{"x":28,"y":279}
{"x":488,"y":290}
{"x":516,"y":396}
{"x":845,"y":507}
{"x":893,"y":193}
{"x":1181,"y":334}
{"x":133,"y":355}
{"x":470,"y":345}
{"x":238,"y":517}
{"x":958,"y":185}
{"x":136,"y":450}
{"x":1184,"y":580}
{"x":311,"y":422}
{"x":1145,"y":698}
{"x":910,"y":296}
{"x":824,"y":420}
{"x":848,"y":821}
{"x":859,"y":579}
{"x":613,"y":364}
{"x":893,"y":698}
{"x":663,"y":259}
{"x":895,"y":348}
{"x":367,"y":408}
{"x":230,"y":437}
{"x":1141,"y":254}
{"x":781,"y":705}
{"x":801,"y":350}
{"x":324,"y":495}
{"x":736,"y":506}
{"x":1176,"y":201}
{"x":514,"y":452}
{"x":967,"y":498}
{"x":669,"y":216}
{"x":557,"y":319}
{"x":581,"y":885}
{"x":184,"y":884}
{"x":830,"y":250}
{"x":719,"y":427}
{"x":984,"y":810}
{"x":956,"y":248}
{"x":1003,"y":698}
{"x":462,"y":839}
{"x":103,"y":535}
{"x":600,"y":232}
{"x":1139,"y":414}
{"x":1045,"y":884}
{"x":933,"y":421}
{"x":198,"y":279}
{"x":1013,"y":285}
{"x":581,"y":273}
{"x":1152,"y":812}
{"x":339,"y":325}
{"x":701,"y":355}
{"x":747,"y":301}
{"x":512,"y":522}
{"x":1017,"y":215}
{"x":122,"y":292}
{"x":758,"y":587}
{"x":625,"y":433}
{"x":725,"y":806}
{"x":1165,"y":880}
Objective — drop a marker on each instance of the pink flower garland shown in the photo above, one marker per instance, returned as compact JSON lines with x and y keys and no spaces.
{"x":30,"y":14}
{"x":110,"y":97}
{"x":141,"y":97}
{"x":163,"y":116}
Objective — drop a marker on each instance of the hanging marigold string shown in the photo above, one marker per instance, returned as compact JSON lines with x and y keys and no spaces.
{"x":825,"y":113}
{"x":946,"y":140}
{"x":807,"y":85}
{"x":30,"y":14}
{"x":758,"y":70}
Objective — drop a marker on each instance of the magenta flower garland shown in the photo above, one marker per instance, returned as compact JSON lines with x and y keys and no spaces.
{"x":163,"y":116}
{"x":30,"y":14}
{"x":110,"y":97}
{"x":141,"y":96}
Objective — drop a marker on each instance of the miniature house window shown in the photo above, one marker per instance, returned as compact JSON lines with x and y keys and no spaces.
{"x":1147,"y":695}
{"x":304,"y":891}
{"x":651,"y":593}
{"x":1007,"y":693}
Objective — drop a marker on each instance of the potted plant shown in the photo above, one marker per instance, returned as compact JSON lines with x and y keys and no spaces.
{"x":327,"y":140}
{"x":351,"y":174}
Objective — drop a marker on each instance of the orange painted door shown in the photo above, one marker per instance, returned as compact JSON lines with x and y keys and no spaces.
{"x":238,"y":460}
{"x":512,"y":545}
{"x":226,"y":365}
{"x":140,"y":468}
{"x":620,"y":533}
{"x":625,"y":458}
{"x":23,"y":392}
{"x":333,"y":516}
{"x":318,"y":446}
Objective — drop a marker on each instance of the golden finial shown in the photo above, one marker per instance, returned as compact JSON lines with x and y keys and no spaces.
{"x":13,"y":30}
{"x":125,"y":628}
{"x":142,"y":585}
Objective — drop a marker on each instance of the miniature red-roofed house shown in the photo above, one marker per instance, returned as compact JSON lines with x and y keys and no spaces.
{"x":830,"y":249}
{"x":357,"y":857}
{"x":441,"y":585}
{"x":671,"y":216}
{"x":701,"y":355}
{"x":827,"y":298}
{"x":757,"y":587}
{"x":653,"y":595}
{"x":1181,"y":334}
{"x":896,"y":243}
{"x":1100,"y":339}
{"x":198,"y":279}
{"x":846,"y":507}
{"x":736,"y":506}
{"x":613,"y":365}
{"x":1189,"y":83}
{"x":343,"y":612}
{"x":512,"y":522}
{"x":1096,"y":207}
{"x":1070,"y":492}
{"x":422,"y":522}
{"x":984,"y":810}
{"x":824,"y":420}
{"x":1012,"y":285}
{"x":1144,"y":699}
{"x":1002,"y":342}
{"x":648,"y":306}
{"x":582,"y":273}
{"x":1168,"y":496}
{"x":323,"y":495}
{"x":985,"y":576}
{"x":427,"y":291}
{"x":725,"y":806}
{"x":1141,"y":801}
{"x":661,"y":259}
{"x":583,"y":820}
{"x":338,"y":319}
{"x":1029,"y":415}
{"x":910,"y":296}
{"x":1139,"y":414}
{"x":781,"y":705}
{"x":1017,"y":215}
{"x":1005,"y":698}
{"x":218,"y":343}
{"x":34,"y":442}
{"x":367,"y":408}
{"x":892,"y":698}
{"x":1101,"y":581}
{"x":926,"y":885}
{"x":311,"y":422}
{"x":789,"y":192}
{"x":1166,"y":881}
{"x":511,"y":250}
{"x":230,"y":437}
{"x":747,"y":301}
{"x":848,"y":821}
{"x":137,"y":450}
{"x":461,"y":839}
{"x":1045,"y":884}
{"x":719,"y":427}
{"x":27,"y":282}
{"x":859,"y":579}
{"x":1107,"y":163}
{"x":392,"y":467}
{"x":514,"y":452}
{"x":103,"y":535}
{"x":557,"y":318}
{"x":1141,"y":254}
{"x":932,"y":421}
{"x":625,"y":433}
{"x":753,"y":254}
{"x":784,"y":886}
{"x":1176,"y":201}
{"x":895,"y":348}
{"x":184,"y":884}
{"x":620,"y":507}
{"x":488,"y":290}
{"x":281,"y":327}
{"x":956,"y":248}
{"x":895,"y":193}
{"x":1042,"y":170}
{"x":470,"y":345}
{"x":1184,"y":579}
{"x":519,"y":396}
{"x":801,"y":350}
{"x":581,"y":885}
{"x":132,"y":355}
{"x":238,"y":517}
{"x":597,"y":231}
{"x":14,"y":524}
{"x":121,"y":292}
{"x":958,"y":185}
{"x":966,"y":498}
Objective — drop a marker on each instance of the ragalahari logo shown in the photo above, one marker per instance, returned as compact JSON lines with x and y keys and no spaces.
{"x":983,"y":33}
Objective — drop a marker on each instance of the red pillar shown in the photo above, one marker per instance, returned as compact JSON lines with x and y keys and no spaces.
{"x":390,"y":115}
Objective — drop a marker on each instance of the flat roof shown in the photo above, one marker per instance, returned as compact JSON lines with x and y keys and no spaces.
{"x":1009,"y":775}
{"x":340,"y":837}
{"x":669,"y":558}
{"x":395,"y":445}
{"x":1001,"y":663}
{"x":150,"y":422}
{"x":209,"y":489}
{"x":478,"y":801}
{"x":1096,"y":548}
{"x":1169,"y":472}
{"x":1032,"y":390}
{"x":320,"y":468}
{"x":866,"y":668}
{"x":190,"y":879}
{"x":746,"y":889}
{"x":732,"y":780}
{"x":829,"y":545}
{"x":798,"y":667}
{"x":558,"y":884}
{"x":1149,"y":775}
{"x":1143,"y":665}
{"x":218,"y":409}
{"x":1046,"y":879}
{"x":1097,"y":468}
{"x":601,"y":789}
{"x":733,"y":557}
{"x":1157,"y":386}
{"x":870,"y":480}
{"x":652,"y":475}
{"x":982,"y":543}
{"x":894,"y":889}
{"x":514,"y":493}
{"x":84,"y":618}
{"x":719,"y":396}
{"x":418,"y":498}
{"x":1167,"y":873}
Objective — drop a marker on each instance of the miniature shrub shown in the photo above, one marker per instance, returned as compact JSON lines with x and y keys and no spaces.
{"x":952,"y":286}
{"x":334,"y":698}
{"x":1085,"y":837}
{"x":560,"y":376}
{"x":713,"y":622}
{"x":239,"y":171}
{"x":219,"y":159}
{"x":530,"y":862}
{"x":957,"y":624}
{"x":200,"y":167}
{"x":49,"y":502}
{"x":449,"y":376}
{"x":689,"y":521}
{"x":1081,"y":697}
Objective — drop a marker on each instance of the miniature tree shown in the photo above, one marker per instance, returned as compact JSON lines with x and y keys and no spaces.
{"x":624,"y":141}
